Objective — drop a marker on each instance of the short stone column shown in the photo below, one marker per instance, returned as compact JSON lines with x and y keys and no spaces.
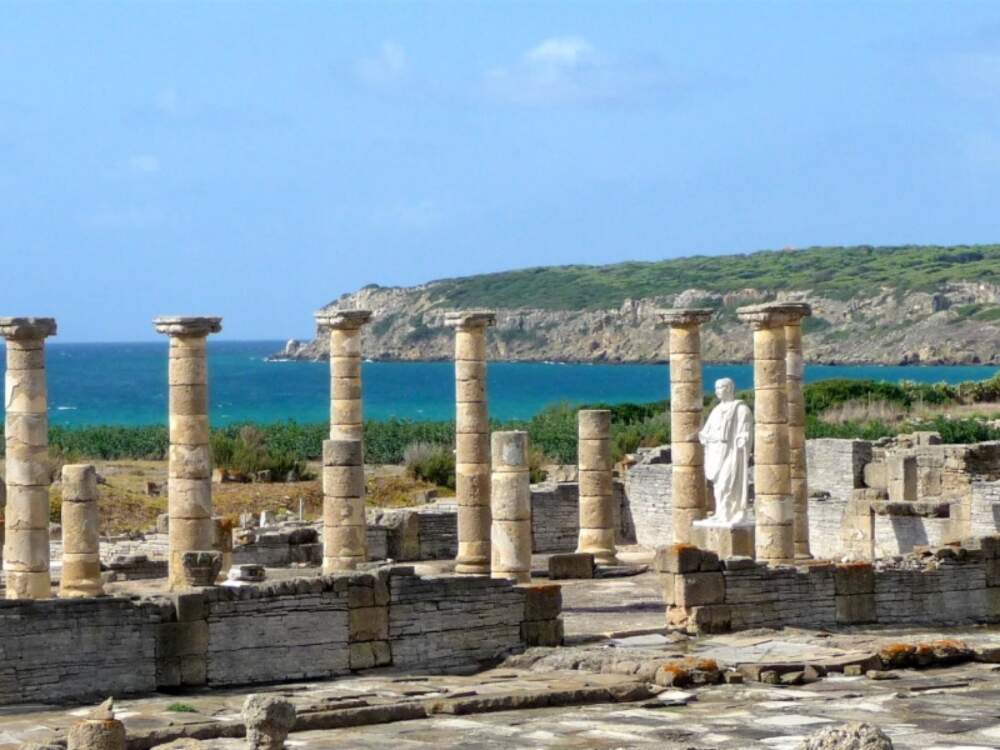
{"x":687,"y":403}
{"x":191,"y":528}
{"x":26,"y":432}
{"x":81,"y":521}
{"x":794,"y":369}
{"x":472,"y":441}
{"x":511,"y":503}
{"x":345,"y":542}
{"x":98,"y":731}
{"x":597,"y":497}
{"x":346,"y":417}
{"x":774,"y":534}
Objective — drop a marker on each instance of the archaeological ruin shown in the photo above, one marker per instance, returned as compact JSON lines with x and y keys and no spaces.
{"x":739,"y":524}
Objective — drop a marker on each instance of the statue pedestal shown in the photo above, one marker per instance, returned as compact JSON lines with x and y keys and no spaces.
{"x":724,"y":539}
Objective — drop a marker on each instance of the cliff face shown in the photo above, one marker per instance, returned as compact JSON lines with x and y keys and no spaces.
{"x":958,"y":323}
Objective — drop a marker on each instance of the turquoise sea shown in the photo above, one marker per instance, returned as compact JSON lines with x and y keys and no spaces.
{"x":126,"y":384}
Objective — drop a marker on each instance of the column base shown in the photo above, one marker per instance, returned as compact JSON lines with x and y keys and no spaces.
{"x":725,"y":539}
{"x":28,"y":585}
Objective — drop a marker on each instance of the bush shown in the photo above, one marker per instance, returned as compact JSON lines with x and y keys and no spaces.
{"x":431,"y":462}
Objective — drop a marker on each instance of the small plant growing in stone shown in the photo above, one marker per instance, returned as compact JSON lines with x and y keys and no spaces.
{"x":182,"y":708}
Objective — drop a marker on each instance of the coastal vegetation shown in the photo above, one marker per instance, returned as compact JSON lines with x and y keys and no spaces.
{"x":834,"y":272}
{"x":834,"y":408}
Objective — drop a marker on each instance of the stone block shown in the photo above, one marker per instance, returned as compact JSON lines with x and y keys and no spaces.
{"x":992,"y":567}
{"x":542,"y":601}
{"x":856,"y":608}
{"x":990,"y":545}
{"x":362,"y":655}
{"x":194,"y":670}
{"x":369,"y":624}
{"x":854,"y":578}
{"x":694,"y":589}
{"x":677,"y":558}
{"x":542,"y":633}
{"x":710,"y":618}
{"x":571,"y":565}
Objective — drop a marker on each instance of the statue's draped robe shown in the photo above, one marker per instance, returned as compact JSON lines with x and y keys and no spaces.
{"x":727,"y":464}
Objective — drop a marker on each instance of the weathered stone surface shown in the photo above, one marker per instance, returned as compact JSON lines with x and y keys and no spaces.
{"x":854,"y":736}
{"x":268,"y":721}
{"x":571,"y":565}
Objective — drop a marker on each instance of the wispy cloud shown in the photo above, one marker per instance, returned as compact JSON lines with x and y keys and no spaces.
{"x":387,"y":65}
{"x":144,"y":163}
{"x":569,"y":70}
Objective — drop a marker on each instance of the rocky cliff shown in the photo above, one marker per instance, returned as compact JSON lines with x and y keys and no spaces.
{"x":941,"y":322}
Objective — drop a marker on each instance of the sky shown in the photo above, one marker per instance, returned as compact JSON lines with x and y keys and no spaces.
{"x":256,"y":160}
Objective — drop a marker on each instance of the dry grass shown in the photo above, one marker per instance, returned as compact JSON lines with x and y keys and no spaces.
{"x":860,"y":411}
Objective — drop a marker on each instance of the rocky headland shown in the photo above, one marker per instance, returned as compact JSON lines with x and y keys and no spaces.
{"x":940,"y":321}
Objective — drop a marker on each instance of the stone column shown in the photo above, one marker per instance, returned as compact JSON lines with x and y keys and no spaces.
{"x":511,"y":503}
{"x":794,"y":367}
{"x":81,"y":521}
{"x":597,"y":510}
{"x":773,"y":509}
{"x":26,"y":431}
{"x":100,"y":730}
{"x":472,"y":441}
{"x":345,"y":542}
{"x":191,"y":528}
{"x":687,"y":403}
{"x":346,"y":422}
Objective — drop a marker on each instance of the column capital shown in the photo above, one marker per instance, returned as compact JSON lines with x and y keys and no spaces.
{"x":685,"y":316}
{"x":187,"y":325}
{"x":342,"y":319}
{"x":773,"y":314}
{"x":470,"y":319}
{"x":27,"y":329}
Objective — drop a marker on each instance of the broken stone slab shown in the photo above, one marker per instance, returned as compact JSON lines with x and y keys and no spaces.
{"x":571,"y":565}
{"x":671,"y":698}
{"x":248,"y":572}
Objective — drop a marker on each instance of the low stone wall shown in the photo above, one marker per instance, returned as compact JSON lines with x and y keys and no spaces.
{"x":306,"y":628}
{"x":86,"y":649}
{"x":944,"y":586}
{"x":649,"y":503}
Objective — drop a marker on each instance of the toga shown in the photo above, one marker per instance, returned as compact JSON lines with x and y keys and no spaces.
{"x":727,"y":463}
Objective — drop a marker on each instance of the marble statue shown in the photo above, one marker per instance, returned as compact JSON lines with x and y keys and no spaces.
{"x":728,"y":439}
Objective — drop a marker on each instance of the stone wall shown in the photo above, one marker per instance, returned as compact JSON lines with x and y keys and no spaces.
{"x":648,"y":489}
{"x":938,"y":587}
{"x":304,"y":628}
{"x":84,"y":648}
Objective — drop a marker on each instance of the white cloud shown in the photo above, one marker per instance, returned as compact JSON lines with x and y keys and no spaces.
{"x":387,"y":65}
{"x":144,"y":163}
{"x":568,"y":70}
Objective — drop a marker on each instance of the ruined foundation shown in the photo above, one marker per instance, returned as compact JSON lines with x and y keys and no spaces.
{"x":26,"y":432}
{"x":472,"y":442}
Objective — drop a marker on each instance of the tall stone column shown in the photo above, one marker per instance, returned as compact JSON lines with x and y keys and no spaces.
{"x":472,"y":441}
{"x":794,"y":368}
{"x":190,"y":467}
{"x":773,"y":508}
{"x":346,"y":421}
{"x":687,"y":403}
{"x":26,"y":431}
{"x":597,"y":511}
{"x":81,"y":521}
{"x":511,"y":532}
{"x":345,"y":541}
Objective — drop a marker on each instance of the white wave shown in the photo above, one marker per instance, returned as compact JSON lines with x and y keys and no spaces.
{"x":66,"y":408}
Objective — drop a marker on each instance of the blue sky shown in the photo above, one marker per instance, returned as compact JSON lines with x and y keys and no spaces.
{"x":256,"y":160}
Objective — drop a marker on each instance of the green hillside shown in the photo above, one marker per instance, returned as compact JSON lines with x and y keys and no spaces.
{"x":835,"y":272}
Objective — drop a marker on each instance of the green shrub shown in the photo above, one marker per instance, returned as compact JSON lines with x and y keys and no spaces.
{"x":182,"y":708}
{"x":431,"y":462}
